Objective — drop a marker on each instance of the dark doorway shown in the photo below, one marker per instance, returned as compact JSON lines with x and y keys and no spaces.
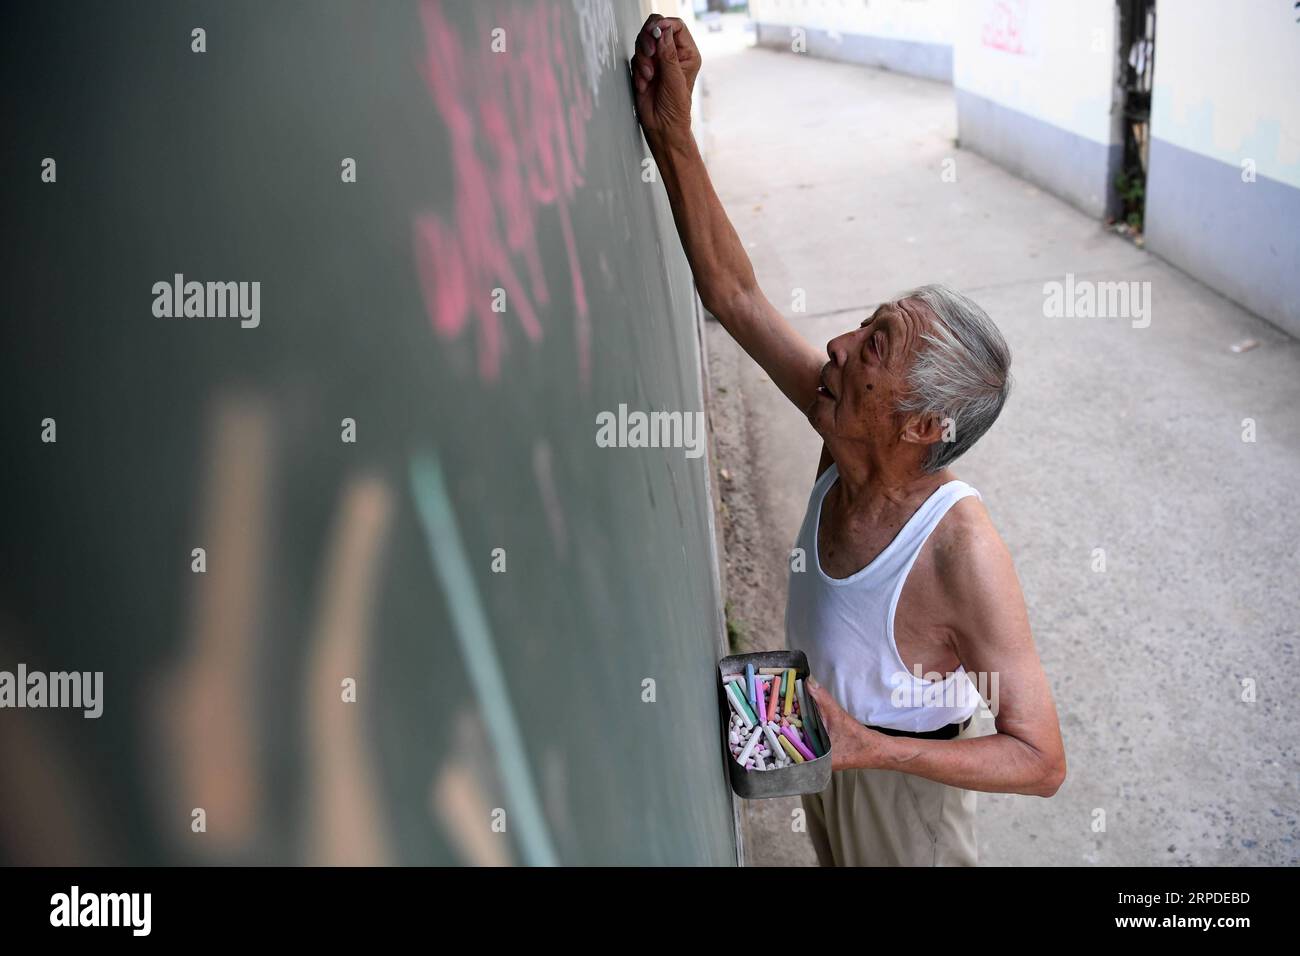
{"x":1137,"y":44}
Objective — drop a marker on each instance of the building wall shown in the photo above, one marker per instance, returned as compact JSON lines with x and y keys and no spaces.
{"x":1226,"y":106}
{"x":1035,"y":84}
{"x":907,"y":36}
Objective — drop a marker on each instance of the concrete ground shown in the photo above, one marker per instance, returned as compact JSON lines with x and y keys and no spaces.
{"x":1117,"y":438}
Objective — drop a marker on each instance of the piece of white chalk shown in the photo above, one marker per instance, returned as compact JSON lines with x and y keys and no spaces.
{"x":656,"y":33}
{"x":749,"y":747}
{"x":770,"y":733}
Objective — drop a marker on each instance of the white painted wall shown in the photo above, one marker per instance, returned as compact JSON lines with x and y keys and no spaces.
{"x":922,"y":21}
{"x":1051,"y":59}
{"x":1227,"y":83}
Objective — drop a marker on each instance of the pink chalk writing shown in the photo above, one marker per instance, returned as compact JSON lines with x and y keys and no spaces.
{"x":517,"y":127}
{"x":1004,"y":28}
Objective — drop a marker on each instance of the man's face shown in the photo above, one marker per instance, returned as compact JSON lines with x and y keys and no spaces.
{"x":867,"y":375}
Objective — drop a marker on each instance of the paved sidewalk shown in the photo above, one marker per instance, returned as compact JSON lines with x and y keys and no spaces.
{"x":1120,"y":438}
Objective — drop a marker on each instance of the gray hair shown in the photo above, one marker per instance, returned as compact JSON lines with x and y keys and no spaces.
{"x":962,"y":371}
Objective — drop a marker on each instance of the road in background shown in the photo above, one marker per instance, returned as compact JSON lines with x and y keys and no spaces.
{"x":1118,"y":438}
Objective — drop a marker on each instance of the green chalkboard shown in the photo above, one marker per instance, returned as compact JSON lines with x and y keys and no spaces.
{"x":309,"y":323}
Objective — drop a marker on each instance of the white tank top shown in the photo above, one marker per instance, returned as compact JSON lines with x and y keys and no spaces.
{"x":846,"y":625}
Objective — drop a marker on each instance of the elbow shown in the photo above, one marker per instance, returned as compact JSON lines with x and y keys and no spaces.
{"x":725,"y":300}
{"x":1050,"y":779}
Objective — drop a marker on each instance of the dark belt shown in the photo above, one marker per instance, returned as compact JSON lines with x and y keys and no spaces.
{"x":943,"y":733}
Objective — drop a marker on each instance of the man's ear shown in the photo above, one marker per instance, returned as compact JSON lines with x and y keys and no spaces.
{"x":923,"y":429}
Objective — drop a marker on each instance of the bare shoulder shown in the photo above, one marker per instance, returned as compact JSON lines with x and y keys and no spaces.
{"x":977,"y":583}
{"x":970,"y":556}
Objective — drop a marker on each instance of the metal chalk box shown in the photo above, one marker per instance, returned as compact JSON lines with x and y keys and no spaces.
{"x":811,"y":776}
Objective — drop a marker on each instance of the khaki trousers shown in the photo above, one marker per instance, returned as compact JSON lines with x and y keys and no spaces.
{"x":887,"y":818}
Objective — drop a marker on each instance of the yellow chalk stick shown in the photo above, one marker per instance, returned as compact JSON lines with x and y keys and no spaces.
{"x":795,"y":755}
{"x":789,"y":694}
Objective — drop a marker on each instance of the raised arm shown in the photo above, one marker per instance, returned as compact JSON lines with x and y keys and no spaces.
{"x":663,"y":72}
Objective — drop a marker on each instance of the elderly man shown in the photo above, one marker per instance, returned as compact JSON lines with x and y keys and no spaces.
{"x":906,"y":578}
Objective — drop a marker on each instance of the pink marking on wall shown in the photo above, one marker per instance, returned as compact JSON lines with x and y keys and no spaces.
{"x":517,"y":124}
{"x":1004,"y":27}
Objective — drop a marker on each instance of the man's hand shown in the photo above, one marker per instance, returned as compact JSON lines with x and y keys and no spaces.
{"x":663,"y":72}
{"x":853,"y":746}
